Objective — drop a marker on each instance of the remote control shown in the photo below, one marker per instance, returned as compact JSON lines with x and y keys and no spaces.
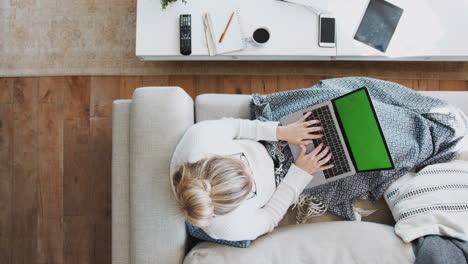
{"x":185,"y":34}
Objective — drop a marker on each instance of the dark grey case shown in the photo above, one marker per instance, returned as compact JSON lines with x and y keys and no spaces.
{"x":378,"y":24}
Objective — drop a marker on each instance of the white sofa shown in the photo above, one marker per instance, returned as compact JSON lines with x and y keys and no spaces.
{"x":147,"y":227}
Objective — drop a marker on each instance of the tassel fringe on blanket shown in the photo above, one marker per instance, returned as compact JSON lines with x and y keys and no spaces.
{"x":308,"y":207}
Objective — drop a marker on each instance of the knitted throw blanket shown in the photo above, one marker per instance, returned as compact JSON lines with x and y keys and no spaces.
{"x":419,"y":131}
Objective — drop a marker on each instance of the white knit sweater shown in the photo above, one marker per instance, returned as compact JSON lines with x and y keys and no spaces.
{"x":258,"y":215}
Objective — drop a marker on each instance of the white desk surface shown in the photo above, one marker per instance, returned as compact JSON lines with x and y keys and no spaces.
{"x":428,"y":30}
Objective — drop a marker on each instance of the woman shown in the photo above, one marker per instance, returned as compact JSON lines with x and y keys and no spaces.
{"x":223,"y":179}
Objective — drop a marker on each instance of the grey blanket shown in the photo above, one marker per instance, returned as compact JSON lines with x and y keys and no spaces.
{"x":419,"y":130}
{"x":440,"y":250}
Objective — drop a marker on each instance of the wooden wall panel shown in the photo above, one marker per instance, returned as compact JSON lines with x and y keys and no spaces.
{"x":101,"y":154}
{"x":428,"y":85}
{"x":50,"y":170}
{"x":50,"y":183}
{"x":104,"y":90}
{"x":311,"y":80}
{"x":6,"y":181}
{"x":25,"y":159}
{"x":77,"y":164}
{"x":209,"y":84}
{"x":158,"y":80}
{"x":77,"y":97}
{"x":50,"y":239}
{"x":6,"y":90}
{"x":79,"y":239}
{"x":102,"y":239}
{"x":78,"y":168}
{"x":290,"y":82}
{"x":237,"y":84}
{"x":446,"y":85}
{"x":413,"y":84}
{"x":188,"y":82}
{"x":264,"y":84}
{"x":128,"y":84}
{"x":51,"y":90}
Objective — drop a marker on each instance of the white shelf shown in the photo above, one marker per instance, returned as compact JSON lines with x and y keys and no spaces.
{"x":428,"y":30}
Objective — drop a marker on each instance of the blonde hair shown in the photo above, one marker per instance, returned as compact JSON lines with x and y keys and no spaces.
{"x":209,"y":187}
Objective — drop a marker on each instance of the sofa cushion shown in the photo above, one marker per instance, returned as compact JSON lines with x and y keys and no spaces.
{"x":217,"y":106}
{"x":333,"y":242}
{"x":463,"y":156}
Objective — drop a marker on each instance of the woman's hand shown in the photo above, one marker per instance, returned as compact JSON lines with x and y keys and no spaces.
{"x":314,"y":161}
{"x":299,"y":131}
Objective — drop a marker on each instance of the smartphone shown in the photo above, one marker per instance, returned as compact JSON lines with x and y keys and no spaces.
{"x":327,"y":33}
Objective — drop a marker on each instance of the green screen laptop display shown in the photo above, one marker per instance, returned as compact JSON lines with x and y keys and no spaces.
{"x":362,"y":131}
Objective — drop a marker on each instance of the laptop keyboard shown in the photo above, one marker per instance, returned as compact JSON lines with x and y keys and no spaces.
{"x":330,"y":138}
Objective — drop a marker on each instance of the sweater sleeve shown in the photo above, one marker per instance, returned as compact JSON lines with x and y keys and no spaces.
{"x":234,"y":128}
{"x":265,"y":219}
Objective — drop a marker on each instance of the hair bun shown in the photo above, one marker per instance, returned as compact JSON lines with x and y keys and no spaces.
{"x":197,"y":203}
{"x":209,"y":187}
{"x":206,"y":186}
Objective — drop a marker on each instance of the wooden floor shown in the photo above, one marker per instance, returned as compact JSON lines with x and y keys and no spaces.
{"x":55,"y":156}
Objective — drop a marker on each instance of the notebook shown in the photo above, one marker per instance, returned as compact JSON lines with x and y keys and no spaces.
{"x":378,"y":24}
{"x":214,"y":24}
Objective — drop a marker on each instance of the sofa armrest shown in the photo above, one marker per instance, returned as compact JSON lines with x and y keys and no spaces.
{"x":159,"y":116}
{"x":120,"y":182}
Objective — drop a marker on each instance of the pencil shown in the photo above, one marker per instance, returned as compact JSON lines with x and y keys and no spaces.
{"x":225,"y":30}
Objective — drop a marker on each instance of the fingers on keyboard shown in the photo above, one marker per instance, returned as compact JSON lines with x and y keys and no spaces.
{"x":330,"y":138}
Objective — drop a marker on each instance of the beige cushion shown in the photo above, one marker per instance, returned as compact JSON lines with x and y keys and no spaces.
{"x":332,"y":242}
{"x":463,"y":156}
{"x":217,"y":106}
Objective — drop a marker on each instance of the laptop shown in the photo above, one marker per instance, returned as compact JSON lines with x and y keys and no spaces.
{"x":352,"y":130}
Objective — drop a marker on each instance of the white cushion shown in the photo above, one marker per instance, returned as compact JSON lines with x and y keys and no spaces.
{"x":431,"y":202}
{"x":332,"y":242}
{"x":456,"y":98}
